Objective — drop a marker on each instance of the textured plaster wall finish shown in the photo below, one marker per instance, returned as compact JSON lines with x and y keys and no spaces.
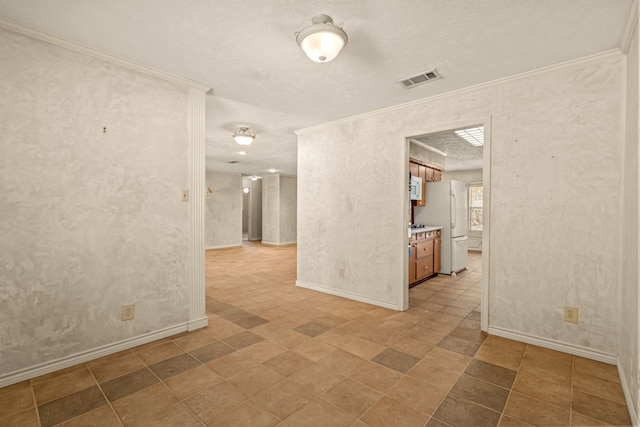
{"x":288,"y":210}
{"x":469,"y":177}
{"x":557,"y":136}
{"x":420,"y":153}
{"x":223,"y":210}
{"x":255,"y":214}
{"x":629,"y":321}
{"x":90,"y":218}
{"x":270,"y":209}
{"x":279,"y":210}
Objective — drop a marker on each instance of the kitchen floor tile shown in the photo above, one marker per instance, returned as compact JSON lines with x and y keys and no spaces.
{"x":319,"y":413}
{"x":459,"y":412}
{"x":420,"y":395}
{"x":215,"y":401}
{"x":247,"y":414}
{"x":352,"y":397}
{"x":535,"y":412}
{"x":284,"y":398}
{"x":174,"y":366}
{"x":494,"y":374}
{"x":212,"y":351}
{"x":376,"y":376}
{"x":70,"y":406}
{"x":192,"y":381}
{"x":256,"y":379}
{"x":396,"y":360}
{"x":287,"y":363}
{"x":600,"y":409}
{"x":242,"y":340}
{"x":481,"y":392}
{"x":388,"y":412}
{"x":125,"y":385}
{"x":312,"y":329}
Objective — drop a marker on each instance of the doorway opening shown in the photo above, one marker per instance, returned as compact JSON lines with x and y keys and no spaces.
{"x":448,"y":237}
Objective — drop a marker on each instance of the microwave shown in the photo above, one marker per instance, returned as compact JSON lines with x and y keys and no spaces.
{"x":415,"y":188}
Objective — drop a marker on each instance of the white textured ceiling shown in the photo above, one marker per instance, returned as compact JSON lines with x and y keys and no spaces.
{"x":246,"y":50}
{"x":460,"y":156}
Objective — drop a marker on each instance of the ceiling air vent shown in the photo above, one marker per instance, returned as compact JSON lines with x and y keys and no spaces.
{"x":421,"y":78}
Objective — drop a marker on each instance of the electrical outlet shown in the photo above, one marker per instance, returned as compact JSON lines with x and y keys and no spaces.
{"x":185,"y":195}
{"x":128,"y":311}
{"x":571,"y":314}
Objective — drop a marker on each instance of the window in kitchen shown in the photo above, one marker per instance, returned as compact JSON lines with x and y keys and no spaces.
{"x":475,"y":207}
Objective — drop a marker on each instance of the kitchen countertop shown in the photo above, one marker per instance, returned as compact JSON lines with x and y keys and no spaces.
{"x":426,"y":228}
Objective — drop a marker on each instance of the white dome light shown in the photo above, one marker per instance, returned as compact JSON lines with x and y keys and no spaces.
{"x":244,"y":136}
{"x":322,"y":41}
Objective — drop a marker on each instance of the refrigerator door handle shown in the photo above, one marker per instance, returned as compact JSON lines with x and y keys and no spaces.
{"x":454,"y":211}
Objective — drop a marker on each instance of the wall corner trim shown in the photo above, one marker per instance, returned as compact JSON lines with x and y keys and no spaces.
{"x":19,"y":28}
{"x":630,"y":27}
{"x":95,"y":353}
{"x":347,"y":295}
{"x":575,"y":350}
{"x":633,"y":412}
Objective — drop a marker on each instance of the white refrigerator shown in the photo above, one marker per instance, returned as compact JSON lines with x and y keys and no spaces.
{"x":446,"y":205}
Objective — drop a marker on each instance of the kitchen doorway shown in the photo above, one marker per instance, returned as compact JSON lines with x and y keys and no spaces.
{"x":459,"y":155}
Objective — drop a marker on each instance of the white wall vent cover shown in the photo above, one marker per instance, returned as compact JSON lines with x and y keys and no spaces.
{"x":418,"y":79}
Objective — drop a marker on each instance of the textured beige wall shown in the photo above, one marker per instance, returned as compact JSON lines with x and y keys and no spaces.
{"x":556,"y":156}
{"x":223,"y":214}
{"x":89,"y":220}
{"x":279,"y":210}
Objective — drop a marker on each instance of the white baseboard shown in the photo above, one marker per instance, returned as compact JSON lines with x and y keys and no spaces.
{"x":347,"y":295}
{"x":576,"y":350}
{"x":223,"y":246}
{"x":202,"y":322}
{"x":633,"y":412}
{"x":267,"y":242}
{"x":85,"y":356}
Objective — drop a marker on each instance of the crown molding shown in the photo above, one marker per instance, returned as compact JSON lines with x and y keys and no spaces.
{"x":19,"y":28}
{"x":468,"y":89}
{"x":630,"y":27}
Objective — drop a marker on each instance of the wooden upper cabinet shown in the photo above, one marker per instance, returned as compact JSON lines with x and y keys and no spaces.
{"x":437,"y":175}
{"x":414,"y":168}
{"x":428,"y":174}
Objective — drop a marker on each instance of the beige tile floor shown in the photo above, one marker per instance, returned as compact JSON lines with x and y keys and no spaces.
{"x":278,"y":355}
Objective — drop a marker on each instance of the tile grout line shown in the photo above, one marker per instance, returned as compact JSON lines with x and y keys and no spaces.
{"x":105,"y":398}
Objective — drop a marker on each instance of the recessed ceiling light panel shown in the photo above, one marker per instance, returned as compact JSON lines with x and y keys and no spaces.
{"x":474,"y":136}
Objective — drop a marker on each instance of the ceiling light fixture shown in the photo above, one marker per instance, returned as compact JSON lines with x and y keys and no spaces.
{"x":244,"y":136}
{"x":322,"y":41}
{"x":254,"y":178}
{"x":474,"y":136}
{"x":242,"y":153}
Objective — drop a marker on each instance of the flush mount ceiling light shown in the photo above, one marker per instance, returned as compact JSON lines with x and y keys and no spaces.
{"x":244,"y":136}
{"x":474,"y":136}
{"x":242,"y":153}
{"x":322,"y":41}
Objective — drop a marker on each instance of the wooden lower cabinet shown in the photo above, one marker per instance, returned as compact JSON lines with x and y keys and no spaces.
{"x":424,"y":256}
